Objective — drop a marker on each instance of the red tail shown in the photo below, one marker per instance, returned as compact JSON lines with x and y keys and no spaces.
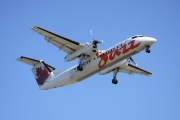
{"x":42,"y":71}
{"x":42,"y":74}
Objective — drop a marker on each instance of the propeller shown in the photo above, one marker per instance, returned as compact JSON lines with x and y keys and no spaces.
{"x":95,"y":42}
{"x":133,"y":61}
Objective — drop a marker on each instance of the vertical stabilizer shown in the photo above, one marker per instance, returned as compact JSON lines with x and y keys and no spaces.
{"x":41,"y":71}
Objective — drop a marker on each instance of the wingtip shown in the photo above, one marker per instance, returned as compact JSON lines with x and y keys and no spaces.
{"x":34,"y":27}
{"x":19,"y":58}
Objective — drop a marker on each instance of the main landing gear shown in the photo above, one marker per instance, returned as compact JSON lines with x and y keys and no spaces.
{"x":114,"y":80}
{"x":80,"y":66}
{"x":147,"y":49}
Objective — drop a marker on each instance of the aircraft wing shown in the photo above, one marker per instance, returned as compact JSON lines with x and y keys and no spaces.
{"x":65,"y":44}
{"x":130,"y":69}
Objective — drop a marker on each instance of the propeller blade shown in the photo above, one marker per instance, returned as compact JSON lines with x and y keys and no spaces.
{"x":133,"y":61}
{"x":92,"y":34}
{"x":97,"y":41}
{"x":100,"y":41}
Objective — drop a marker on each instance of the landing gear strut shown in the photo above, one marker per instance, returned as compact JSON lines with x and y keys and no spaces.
{"x":81,"y":58}
{"x":147,"y":49}
{"x":114,"y":80}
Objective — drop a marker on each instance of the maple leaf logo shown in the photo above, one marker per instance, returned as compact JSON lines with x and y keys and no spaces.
{"x":42,"y":75}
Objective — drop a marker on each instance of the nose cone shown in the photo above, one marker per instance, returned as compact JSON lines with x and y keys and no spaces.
{"x":153,"y":40}
{"x":150,"y":40}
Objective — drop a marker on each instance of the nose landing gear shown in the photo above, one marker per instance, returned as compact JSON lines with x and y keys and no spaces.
{"x":147,"y":49}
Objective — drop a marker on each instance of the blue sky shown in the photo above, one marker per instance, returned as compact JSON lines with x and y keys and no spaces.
{"x":134,"y":98}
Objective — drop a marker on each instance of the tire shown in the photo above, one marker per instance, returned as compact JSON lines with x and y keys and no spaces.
{"x":148,"y":50}
{"x":114,"y":81}
{"x":80,"y":68}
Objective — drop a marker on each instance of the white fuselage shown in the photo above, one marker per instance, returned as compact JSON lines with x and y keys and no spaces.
{"x":100,"y":61}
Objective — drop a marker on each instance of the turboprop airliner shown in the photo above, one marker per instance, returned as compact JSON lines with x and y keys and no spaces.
{"x":91,"y":60}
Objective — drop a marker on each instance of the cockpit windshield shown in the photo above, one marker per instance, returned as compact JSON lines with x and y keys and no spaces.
{"x":136,"y":36}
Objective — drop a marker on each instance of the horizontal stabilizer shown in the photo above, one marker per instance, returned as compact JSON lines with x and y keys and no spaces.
{"x":34,"y":62}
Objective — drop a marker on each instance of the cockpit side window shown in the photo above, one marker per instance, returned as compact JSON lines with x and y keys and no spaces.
{"x":134,"y":37}
{"x":137,"y":36}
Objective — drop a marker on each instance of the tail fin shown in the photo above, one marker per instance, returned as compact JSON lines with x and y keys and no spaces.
{"x":42,"y":71}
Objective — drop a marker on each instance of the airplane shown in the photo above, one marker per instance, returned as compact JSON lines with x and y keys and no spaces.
{"x":91,"y":60}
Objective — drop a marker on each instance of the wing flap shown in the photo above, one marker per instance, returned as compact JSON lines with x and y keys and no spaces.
{"x":62,"y":43}
{"x":130,"y":69}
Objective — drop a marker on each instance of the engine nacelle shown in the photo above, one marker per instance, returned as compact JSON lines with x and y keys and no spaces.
{"x":86,"y":49}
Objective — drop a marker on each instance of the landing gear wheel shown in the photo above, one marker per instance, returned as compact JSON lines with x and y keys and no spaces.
{"x":148,"y":50}
{"x":114,"y":81}
{"x":79,"y":67}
